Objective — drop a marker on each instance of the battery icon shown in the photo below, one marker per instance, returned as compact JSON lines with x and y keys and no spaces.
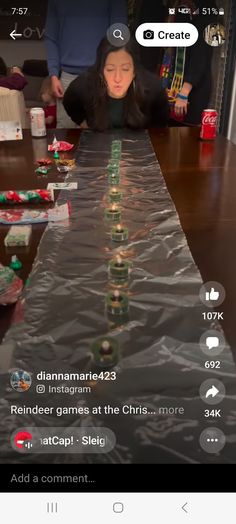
{"x":221,"y":11}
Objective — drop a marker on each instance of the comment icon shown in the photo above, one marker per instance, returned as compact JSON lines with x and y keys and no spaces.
{"x":212,"y":343}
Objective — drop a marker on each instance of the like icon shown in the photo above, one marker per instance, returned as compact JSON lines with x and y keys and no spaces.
{"x":213,"y":295}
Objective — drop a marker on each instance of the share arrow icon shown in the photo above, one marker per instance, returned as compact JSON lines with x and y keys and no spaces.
{"x":212,"y":392}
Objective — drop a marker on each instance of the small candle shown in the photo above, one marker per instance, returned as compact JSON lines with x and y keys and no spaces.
{"x":112,"y":213}
{"x":115,"y":148}
{"x":116,"y":154}
{"x":116,"y":295}
{"x":119,"y":261}
{"x":105,"y":351}
{"x":115,"y":195}
{"x":119,"y":233}
{"x":106,"y":348}
{"x":118,"y":269}
{"x":117,"y":303}
{"x":114,"y":179}
{"x":114,"y":162}
{"x":113,"y":167}
{"x":116,"y":144}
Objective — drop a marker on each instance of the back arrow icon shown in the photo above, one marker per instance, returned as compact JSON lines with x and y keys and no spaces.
{"x":183,"y":507}
{"x":13,"y":34}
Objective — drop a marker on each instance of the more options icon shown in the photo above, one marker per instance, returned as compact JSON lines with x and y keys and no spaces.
{"x":212,"y":440}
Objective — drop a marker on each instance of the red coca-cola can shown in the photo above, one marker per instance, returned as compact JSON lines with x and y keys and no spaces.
{"x":209,"y":124}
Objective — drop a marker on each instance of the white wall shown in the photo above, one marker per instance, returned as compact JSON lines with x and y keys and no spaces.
{"x":16,"y":52}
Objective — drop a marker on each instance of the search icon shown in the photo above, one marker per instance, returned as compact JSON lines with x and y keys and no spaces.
{"x":118,"y":34}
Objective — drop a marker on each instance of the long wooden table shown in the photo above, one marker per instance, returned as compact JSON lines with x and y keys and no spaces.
{"x":201,"y":179}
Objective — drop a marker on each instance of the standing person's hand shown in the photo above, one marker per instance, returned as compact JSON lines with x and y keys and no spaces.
{"x":181,"y":107}
{"x":57,"y":87}
{"x":181,"y":104}
{"x":16,"y":69}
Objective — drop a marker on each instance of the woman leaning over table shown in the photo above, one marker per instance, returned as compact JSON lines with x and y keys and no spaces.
{"x":117,"y":92}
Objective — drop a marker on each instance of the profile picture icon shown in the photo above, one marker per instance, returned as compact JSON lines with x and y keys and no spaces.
{"x":214,"y":35}
{"x":23,"y":440}
{"x":20,"y":380}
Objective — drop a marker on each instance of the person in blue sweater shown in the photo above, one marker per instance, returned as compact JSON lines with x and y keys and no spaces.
{"x":73,"y":31}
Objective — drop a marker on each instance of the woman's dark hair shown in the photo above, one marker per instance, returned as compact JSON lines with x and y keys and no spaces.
{"x":133,"y":116}
{"x":3,"y":67}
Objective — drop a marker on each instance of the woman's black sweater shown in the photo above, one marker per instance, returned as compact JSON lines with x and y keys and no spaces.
{"x":78,"y":103}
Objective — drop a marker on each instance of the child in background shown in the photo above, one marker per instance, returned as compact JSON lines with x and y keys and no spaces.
{"x":50,"y":108}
